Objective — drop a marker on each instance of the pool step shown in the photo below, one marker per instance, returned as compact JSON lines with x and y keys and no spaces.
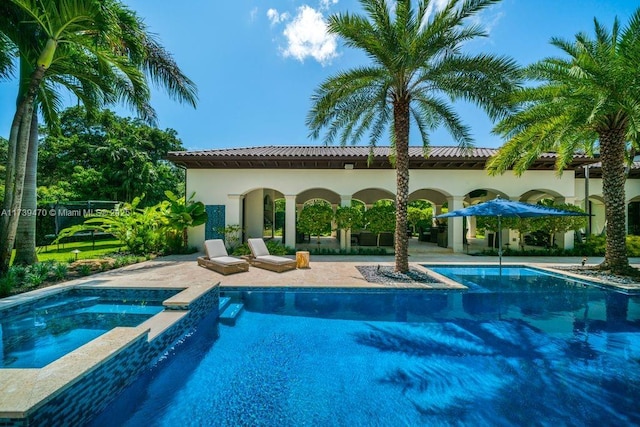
{"x":223,"y":304}
{"x":231,"y":313}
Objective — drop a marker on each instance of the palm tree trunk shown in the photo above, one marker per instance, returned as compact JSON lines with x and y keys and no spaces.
{"x":18,"y":149}
{"x":26,"y":231}
{"x":612,"y":154}
{"x":401,"y":134}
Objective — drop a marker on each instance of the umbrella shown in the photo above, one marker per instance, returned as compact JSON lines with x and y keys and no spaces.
{"x":507,"y":208}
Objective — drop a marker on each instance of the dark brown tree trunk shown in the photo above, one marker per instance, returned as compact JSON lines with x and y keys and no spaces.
{"x":401,"y":134}
{"x":612,"y":156}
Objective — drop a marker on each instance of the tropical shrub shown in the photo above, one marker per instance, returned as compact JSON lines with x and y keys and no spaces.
{"x":182,"y":214}
{"x":274,"y":247}
{"x":153,"y":229}
{"x":633,"y":246}
{"x":84,"y":270}
{"x":232,"y":235}
{"x":19,"y":276}
{"x":11,"y":280}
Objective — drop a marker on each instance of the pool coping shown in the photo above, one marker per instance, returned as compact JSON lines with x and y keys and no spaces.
{"x":24,"y":390}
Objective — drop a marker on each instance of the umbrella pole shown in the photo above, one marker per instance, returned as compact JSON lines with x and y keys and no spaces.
{"x":499,"y":245}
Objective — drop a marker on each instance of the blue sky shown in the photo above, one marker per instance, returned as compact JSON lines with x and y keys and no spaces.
{"x":257,"y":62}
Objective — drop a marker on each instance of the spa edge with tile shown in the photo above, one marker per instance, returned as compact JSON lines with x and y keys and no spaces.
{"x":77,"y":386}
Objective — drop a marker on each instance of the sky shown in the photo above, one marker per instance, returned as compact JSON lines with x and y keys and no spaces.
{"x":256,"y":63}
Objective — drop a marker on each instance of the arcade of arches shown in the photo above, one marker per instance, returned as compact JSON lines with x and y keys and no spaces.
{"x":243,"y":186}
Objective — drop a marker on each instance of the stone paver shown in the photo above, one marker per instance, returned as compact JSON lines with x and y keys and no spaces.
{"x":325,"y":270}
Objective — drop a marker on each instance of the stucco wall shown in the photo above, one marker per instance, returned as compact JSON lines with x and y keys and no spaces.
{"x":229,"y":186}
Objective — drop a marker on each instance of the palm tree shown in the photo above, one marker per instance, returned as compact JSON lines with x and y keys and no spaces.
{"x":418,"y":65}
{"x":588,"y":101}
{"x":101,"y":52}
{"x":6,"y":56}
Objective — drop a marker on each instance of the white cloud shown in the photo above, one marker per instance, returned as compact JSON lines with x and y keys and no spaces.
{"x":435,"y":7}
{"x":275,"y":17}
{"x":488,"y":20}
{"x":325,"y":4}
{"x":307,"y":36}
{"x":253,"y":14}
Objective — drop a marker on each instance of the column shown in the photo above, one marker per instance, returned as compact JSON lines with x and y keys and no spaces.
{"x":567,"y":240}
{"x":345,"y":235}
{"x":334,"y":228}
{"x":455,"y":224}
{"x":437,"y":210}
{"x":472,"y":227}
{"x":290,"y":220}
{"x":233,"y":211}
{"x":510,"y":236}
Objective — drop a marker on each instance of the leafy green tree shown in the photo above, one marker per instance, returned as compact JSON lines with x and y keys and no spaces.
{"x":109,"y":157}
{"x":559,"y":224}
{"x":99,"y":50}
{"x":348,"y":217}
{"x":417,"y":64}
{"x":585,"y":101}
{"x":380,"y":218}
{"x":315,"y":218}
{"x":43,"y":31}
{"x":418,"y":215}
{"x":521,"y":225}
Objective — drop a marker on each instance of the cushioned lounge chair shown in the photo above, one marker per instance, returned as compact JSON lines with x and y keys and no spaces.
{"x":219,"y":261}
{"x":263,"y":259}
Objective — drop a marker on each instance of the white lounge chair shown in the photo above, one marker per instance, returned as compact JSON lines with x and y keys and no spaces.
{"x":263,"y":259}
{"x":219,"y":261}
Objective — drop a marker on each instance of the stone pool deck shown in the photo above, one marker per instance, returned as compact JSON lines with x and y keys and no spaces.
{"x":325,"y":271}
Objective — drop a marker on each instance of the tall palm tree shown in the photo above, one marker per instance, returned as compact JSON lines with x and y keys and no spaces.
{"x":100,"y":51}
{"x":6,"y":56}
{"x":418,"y":67}
{"x":587,"y":101}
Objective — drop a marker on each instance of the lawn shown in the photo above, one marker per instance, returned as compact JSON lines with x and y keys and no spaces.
{"x":87,"y":250}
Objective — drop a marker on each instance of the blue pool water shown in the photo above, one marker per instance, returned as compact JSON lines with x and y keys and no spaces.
{"x":513,"y":278}
{"x":35,"y":334}
{"x":560,"y":356}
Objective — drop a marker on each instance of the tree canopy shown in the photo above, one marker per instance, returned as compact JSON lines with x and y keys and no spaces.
{"x":107,"y":157}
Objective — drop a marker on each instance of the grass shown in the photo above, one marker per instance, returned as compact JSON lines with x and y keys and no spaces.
{"x":65,"y":252}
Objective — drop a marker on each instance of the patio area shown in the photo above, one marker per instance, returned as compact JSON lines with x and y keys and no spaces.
{"x":323,"y":271}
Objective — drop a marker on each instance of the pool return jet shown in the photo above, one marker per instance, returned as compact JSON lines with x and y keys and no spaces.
{"x":503,"y":208}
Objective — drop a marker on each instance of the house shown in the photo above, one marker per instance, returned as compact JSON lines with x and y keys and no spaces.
{"x":240,"y":186}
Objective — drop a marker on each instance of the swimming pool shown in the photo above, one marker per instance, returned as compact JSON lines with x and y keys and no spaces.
{"x":401,"y":357}
{"x":35,"y":334}
{"x":514,"y":278}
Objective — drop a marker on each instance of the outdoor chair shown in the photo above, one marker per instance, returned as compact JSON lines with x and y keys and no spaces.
{"x":263,"y":259}
{"x":218,"y":260}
